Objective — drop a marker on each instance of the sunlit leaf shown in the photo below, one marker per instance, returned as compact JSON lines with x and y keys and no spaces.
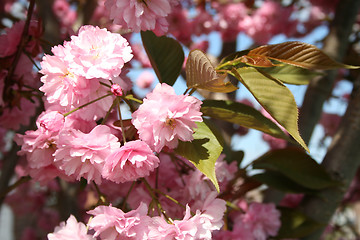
{"x":200,"y":74}
{"x":257,"y":61}
{"x":296,"y":165}
{"x":275,"y":98}
{"x":166,"y":56}
{"x":298,"y":54}
{"x":295,"y":224}
{"x":290,"y":74}
{"x":242,"y":115}
{"x":203,"y":151}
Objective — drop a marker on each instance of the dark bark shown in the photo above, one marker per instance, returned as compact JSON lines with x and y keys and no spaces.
{"x":341,"y":161}
{"x":335,"y":45}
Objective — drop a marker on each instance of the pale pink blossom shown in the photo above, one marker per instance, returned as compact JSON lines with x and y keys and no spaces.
{"x":72,"y":229}
{"x":51,"y":121}
{"x":199,"y":226}
{"x":61,"y":86}
{"x":164,"y":117}
{"x":184,"y":229}
{"x":263,"y":220}
{"x":140,"y":15}
{"x":112,"y":223}
{"x":38,"y":147}
{"x":83,"y":155}
{"x":145,"y":79}
{"x":132,"y":161}
{"x":98,"y":53}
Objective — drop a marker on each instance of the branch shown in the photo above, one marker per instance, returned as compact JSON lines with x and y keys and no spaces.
{"x":341,"y":161}
{"x":335,"y":45}
{"x":7,"y":93}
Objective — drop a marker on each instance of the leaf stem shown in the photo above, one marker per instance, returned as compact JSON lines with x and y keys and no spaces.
{"x":121,"y":121}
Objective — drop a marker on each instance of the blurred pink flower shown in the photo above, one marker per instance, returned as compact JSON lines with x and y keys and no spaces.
{"x":112,"y":223}
{"x":14,"y":117}
{"x":83,"y":155}
{"x":330,"y":122}
{"x":132,"y":161}
{"x":291,"y":200}
{"x":263,"y":220}
{"x":145,"y":79}
{"x":72,"y":229}
{"x":11,"y":39}
{"x":140,"y":15}
{"x":164,"y":117}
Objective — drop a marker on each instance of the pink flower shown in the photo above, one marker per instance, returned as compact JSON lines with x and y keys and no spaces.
{"x":51,"y":121}
{"x":112,"y":223}
{"x":61,"y":86}
{"x":83,"y":155}
{"x":164,"y":117}
{"x":199,"y":226}
{"x":98,"y":53}
{"x":139,"y":15}
{"x":145,"y":79}
{"x":263,"y":220}
{"x":132,"y":161}
{"x":72,"y":229}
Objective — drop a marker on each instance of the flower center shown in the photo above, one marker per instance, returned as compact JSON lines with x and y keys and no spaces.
{"x":170,"y":122}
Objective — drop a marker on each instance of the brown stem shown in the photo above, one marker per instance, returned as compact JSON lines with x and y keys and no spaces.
{"x":7,"y":93}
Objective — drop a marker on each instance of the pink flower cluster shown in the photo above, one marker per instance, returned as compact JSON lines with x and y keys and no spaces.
{"x":73,"y":75}
{"x":111,"y":223}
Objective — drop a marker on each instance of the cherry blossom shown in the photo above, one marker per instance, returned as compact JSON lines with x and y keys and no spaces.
{"x":71,"y":229}
{"x":130,"y":162}
{"x":164,"y":117}
{"x":112,"y":223}
{"x":83,"y":155}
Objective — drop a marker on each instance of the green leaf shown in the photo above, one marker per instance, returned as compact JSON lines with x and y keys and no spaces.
{"x":295,"y":224}
{"x":296,"y":165}
{"x":280,"y":182}
{"x":275,"y":98}
{"x":299,"y":54}
{"x":203,"y":151}
{"x":290,"y":74}
{"x":166,"y":56}
{"x":241,"y":114}
{"x":200,"y":74}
